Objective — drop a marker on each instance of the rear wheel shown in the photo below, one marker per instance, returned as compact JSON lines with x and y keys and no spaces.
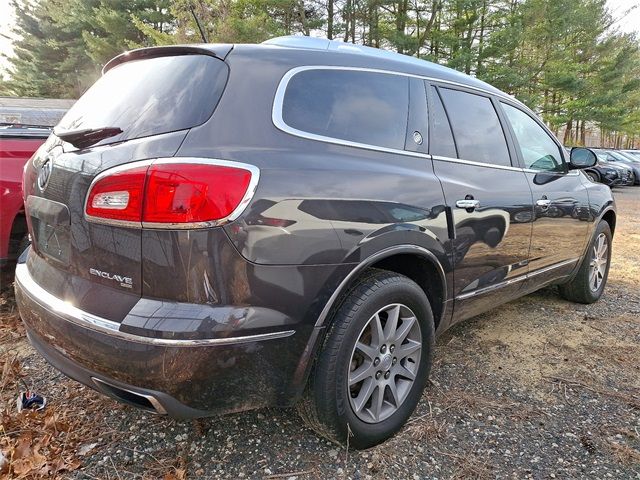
{"x":588,"y":284}
{"x":374,"y":363}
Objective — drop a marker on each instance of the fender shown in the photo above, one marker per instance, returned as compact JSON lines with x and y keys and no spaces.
{"x":609,"y":206}
{"x":317,"y":335}
{"x":388,"y":252}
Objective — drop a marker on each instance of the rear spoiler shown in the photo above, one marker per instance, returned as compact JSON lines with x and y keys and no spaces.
{"x":218,"y":50}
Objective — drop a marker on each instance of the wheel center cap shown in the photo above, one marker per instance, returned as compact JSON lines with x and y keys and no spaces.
{"x":385,"y":361}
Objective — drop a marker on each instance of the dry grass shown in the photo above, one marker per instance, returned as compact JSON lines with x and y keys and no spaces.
{"x":554,"y":352}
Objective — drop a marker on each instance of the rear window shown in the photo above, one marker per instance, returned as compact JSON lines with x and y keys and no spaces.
{"x":356,"y":106}
{"x":151,"y":96}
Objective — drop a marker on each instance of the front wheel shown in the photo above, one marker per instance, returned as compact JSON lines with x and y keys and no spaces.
{"x":588,"y":284}
{"x":374,"y":363}
{"x":593,"y":176}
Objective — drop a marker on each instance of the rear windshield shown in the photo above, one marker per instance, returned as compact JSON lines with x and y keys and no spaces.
{"x":151,"y":96}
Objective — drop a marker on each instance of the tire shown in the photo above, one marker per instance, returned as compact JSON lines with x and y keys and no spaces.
{"x":593,"y":176}
{"x":24,"y":243}
{"x":582,"y":288}
{"x":329,"y":404}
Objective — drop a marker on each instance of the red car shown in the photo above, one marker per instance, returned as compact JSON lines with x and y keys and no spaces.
{"x":17,"y":144}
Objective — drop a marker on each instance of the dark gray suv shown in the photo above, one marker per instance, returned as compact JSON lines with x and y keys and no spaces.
{"x":223,"y":227}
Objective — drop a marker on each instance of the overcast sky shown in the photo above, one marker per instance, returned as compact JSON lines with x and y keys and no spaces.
{"x":628,"y":20}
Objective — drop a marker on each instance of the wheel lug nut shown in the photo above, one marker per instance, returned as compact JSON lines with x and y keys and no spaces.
{"x":378,"y":375}
{"x":387,"y":375}
{"x":383,"y":348}
{"x":392,"y":348}
{"x":394,"y":361}
{"x":376,"y":362}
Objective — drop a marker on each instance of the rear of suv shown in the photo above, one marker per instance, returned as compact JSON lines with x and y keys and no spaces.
{"x":224,"y":227}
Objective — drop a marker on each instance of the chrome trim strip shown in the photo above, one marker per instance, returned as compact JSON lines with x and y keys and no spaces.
{"x":251,"y":189}
{"x":150,"y":398}
{"x":72,"y":314}
{"x":278,"y":121}
{"x":497,"y":92}
{"x":552,"y":267}
{"x":490,"y":288}
{"x":476,"y":164}
{"x":511,"y":281}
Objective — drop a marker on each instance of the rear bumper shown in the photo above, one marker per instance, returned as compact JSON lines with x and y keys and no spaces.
{"x":184,"y":378}
{"x":147,"y":399}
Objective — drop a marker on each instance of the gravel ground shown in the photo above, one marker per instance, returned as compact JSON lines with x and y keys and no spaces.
{"x":538,"y":388}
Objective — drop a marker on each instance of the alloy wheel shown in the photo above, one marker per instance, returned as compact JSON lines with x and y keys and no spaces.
{"x":599,"y":260}
{"x":384,"y":363}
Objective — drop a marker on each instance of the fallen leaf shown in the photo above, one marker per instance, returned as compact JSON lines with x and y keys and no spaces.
{"x":177,"y":474}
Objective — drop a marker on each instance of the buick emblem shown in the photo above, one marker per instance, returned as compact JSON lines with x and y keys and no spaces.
{"x":45,"y":173}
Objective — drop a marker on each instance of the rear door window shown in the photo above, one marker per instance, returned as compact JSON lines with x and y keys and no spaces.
{"x":151,"y":96}
{"x":356,"y":106}
{"x":476,"y":127}
{"x":442,"y":142}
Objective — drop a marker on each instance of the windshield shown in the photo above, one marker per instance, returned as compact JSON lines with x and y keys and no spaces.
{"x":629,"y":157}
{"x":150,"y":96}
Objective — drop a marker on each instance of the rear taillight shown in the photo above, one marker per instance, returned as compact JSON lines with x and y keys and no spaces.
{"x":118,"y":196}
{"x":178,"y":193}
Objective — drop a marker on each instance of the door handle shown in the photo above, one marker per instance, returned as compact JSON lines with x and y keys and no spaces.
{"x":543,"y":203}
{"x":468,"y":204}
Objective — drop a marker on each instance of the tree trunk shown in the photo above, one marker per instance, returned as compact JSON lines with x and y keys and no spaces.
{"x":330,"y":20}
{"x":567,"y":132}
{"x":401,"y":23}
{"x":481,"y":38}
{"x":346,"y":14}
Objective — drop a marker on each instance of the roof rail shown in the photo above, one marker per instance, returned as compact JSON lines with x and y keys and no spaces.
{"x":313,"y":43}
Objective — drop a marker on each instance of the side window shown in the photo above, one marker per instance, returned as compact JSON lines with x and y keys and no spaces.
{"x":601,"y":155}
{"x":441,"y":136}
{"x":538,"y":150}
{"x":362,"y":107}
{"x":476,"y":127}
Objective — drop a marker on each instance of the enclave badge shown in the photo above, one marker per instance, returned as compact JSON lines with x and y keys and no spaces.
{"x":126,"y":282}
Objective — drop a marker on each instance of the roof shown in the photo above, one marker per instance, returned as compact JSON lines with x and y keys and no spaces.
{"x":411,"y":64}
{"x":33,"y":111}
{"x":13,"y":131}
{"x":48,"y":103}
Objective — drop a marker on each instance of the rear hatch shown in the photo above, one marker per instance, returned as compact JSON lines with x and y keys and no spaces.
{"x":140,"y":109}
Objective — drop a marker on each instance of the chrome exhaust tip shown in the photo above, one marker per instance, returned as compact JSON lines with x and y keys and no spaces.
{"x":140,"y":400}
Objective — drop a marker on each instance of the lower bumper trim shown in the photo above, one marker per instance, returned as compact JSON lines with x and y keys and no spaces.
{"x":87,"y":320}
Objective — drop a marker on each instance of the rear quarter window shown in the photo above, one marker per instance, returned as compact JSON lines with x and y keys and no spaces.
{"x":151,"y":96}
{"x":356,"y":106}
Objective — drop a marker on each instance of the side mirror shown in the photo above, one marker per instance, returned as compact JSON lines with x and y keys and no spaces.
{"x":582,"y":158}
